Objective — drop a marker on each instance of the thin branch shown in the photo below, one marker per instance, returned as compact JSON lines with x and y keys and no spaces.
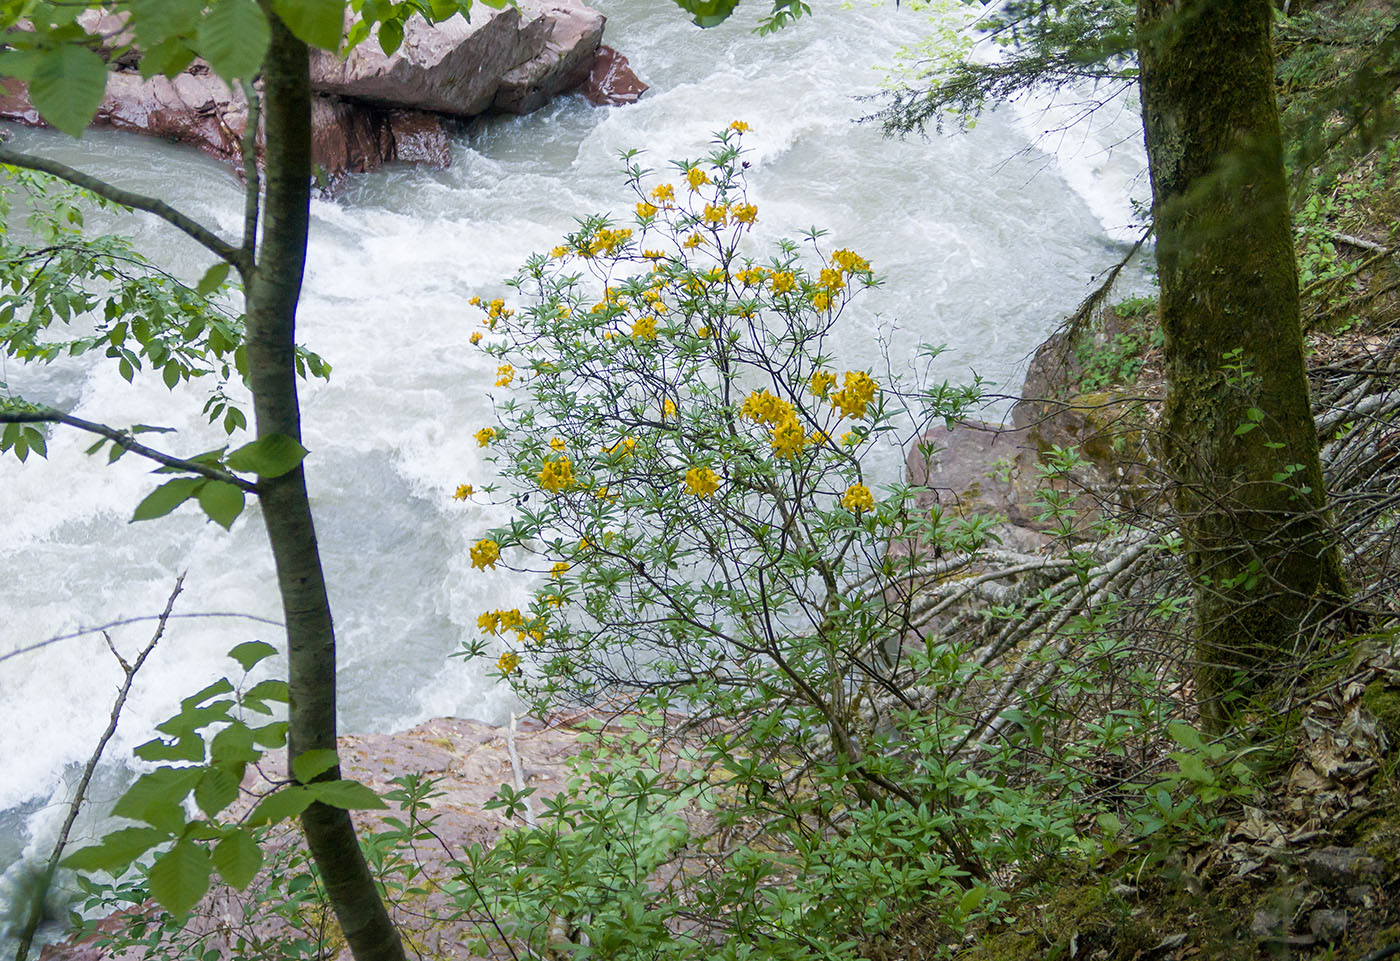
{"x":124,"y":440}
{"x":252,"y":178}
{"x":36,"y":905}
{"x":127,"y":198}
{"x":102,"y":629}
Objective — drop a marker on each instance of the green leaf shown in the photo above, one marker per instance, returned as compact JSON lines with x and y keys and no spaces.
{"x":286,"y":803}
{"x":708,"y":13}
{"x":317,"y":22}
{"x":308,"y":764}
{"x":156,"y":20}
{"x":237,"y":858}
{"x":156,"y":797}
{"x":233,"y":745}
{"x":351,"y":795}
{"x":67,"y":87}
{"x":250,"y":653}
{"x":233,"y":37}
{"x":168,"y":58}
{"x":216,"y":790}
{"x":180,"y":877}
{"x":166,"y":498}
{"x":270,"y":456}
{"x":271,"y":735}
{"x":1185,"y":735}
{"x":390,"y":36}
{"x":187,"y":747}
{"x":213,"y":278}
{"x":222,"y":502}
{"x":116,"y":851}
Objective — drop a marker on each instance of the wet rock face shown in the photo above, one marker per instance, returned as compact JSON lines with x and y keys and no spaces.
{"x":371,"y":109}
{"x":611,"y":82}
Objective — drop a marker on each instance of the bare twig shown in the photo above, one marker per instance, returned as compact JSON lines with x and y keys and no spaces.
{"x":103,"y":628}
{"x":36,"y":906}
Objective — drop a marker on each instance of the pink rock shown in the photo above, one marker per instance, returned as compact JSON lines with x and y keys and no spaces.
{"x":611,"y":81}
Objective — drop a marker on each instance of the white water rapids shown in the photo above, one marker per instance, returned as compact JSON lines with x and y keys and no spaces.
{"x":984,"y":246}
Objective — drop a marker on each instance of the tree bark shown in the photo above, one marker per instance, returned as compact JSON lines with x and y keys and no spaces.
{"x":272,"y":293}
{"x":1250,"y":499}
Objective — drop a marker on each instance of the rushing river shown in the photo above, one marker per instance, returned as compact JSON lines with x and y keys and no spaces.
{"x":985,"y":245}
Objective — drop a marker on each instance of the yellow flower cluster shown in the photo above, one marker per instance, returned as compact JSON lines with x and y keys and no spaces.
{"x":557,"y":474}
{"x":716,"y":214}
{"x":605,"y":241}
{"x":485,"y":553}
{"x":789,"y":437}
{"x":696,"y":177}
{"x":475,"y":337}
{"x":858,"y":390}
{"x":654,"y":254}
{"x":739,"y":126}
{"x":693,"y":241}
{"x":743,"y":213}
{"x":703,"y":332}
{"x":765,"y":408}
{"x":493,"y":622}
{"x":626,"y":445}
{"x":701,"y":481}
{"x":508,"y":662}
{"x":784,"y":281}
{"x":857,"y":498}
{"x":557,"y":443}
{"x":495,"y":310}
{"x":644,"y":328}
{"x":485,"y":436}
{"x":663,"y":194}
{"x":668,"y":408}
{"x":559,"y":568}
{"x":750,"y":276}
{"x":850,"y":261}
{"x":463,"y":492}
{"x":821,"y":383}
{"x":645,"y":209}
{"x":504,"y":375}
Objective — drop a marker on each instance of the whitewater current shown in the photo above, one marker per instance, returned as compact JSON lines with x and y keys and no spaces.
{"x":985,"y":245}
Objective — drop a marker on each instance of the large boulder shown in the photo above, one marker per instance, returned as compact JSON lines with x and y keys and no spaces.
{"x":458,"y":67}
{"x":611,"y":82}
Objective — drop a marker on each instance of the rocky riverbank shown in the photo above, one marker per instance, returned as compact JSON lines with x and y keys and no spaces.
{"x":370,"y":108}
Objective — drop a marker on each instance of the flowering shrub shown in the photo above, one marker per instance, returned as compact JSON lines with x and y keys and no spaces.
{"x":686,"y":455}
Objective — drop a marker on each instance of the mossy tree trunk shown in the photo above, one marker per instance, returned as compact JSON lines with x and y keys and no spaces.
{"x":1250,"y":498}
{"x":272,"y":293}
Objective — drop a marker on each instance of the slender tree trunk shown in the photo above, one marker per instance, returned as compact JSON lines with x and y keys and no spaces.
{"x":272,"y":292}
{"x":1250,"y":499}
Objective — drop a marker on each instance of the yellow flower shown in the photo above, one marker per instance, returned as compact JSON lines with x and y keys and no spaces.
{"x":489,"y":621}
{"x":485,"y":436}
{"x":508,"y":662}
{"x":463,"y":492}
{"x":857,"y":392}
{"x":504,"y":375}
{"x":764,"y":408}
{"x":739,"y":126}
{"x":557,"y":443}
{"x":654,"y":254}
{"x":716,"y":213}
{"x":645,"y":209}
{"x":485,"y":553}
{"x":559,"y":252}
{"x":832,"y":279}
{"x":702,"y":333}
{"x":557,"y":474}
{"x":510,"y":618}
{"x":668,"y":408}
{"x":701,"y":481}
{"x":743,"y":213}
{"x":789,"y":438}
{"x":663,"y":193}
{"x":475,"y":337}
{"x":603,"y":493}
{"x":584,"y":543}
{"x":821,"y":300}
{"x":553,"y":600}
{"x":626,"y":445}
{"x":822,"y":382}
{"x":644,"y":328}
{"x":783,"y":282}
{"x":693,"y":241}
{"x":750,"y":277}
{"x":850,"y":438}
{"x":857,"y":498}
{"x":559,"y":568}
{"x":696,"y":177}
{"x":850,"y":261}
{"x":475,"y":301}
